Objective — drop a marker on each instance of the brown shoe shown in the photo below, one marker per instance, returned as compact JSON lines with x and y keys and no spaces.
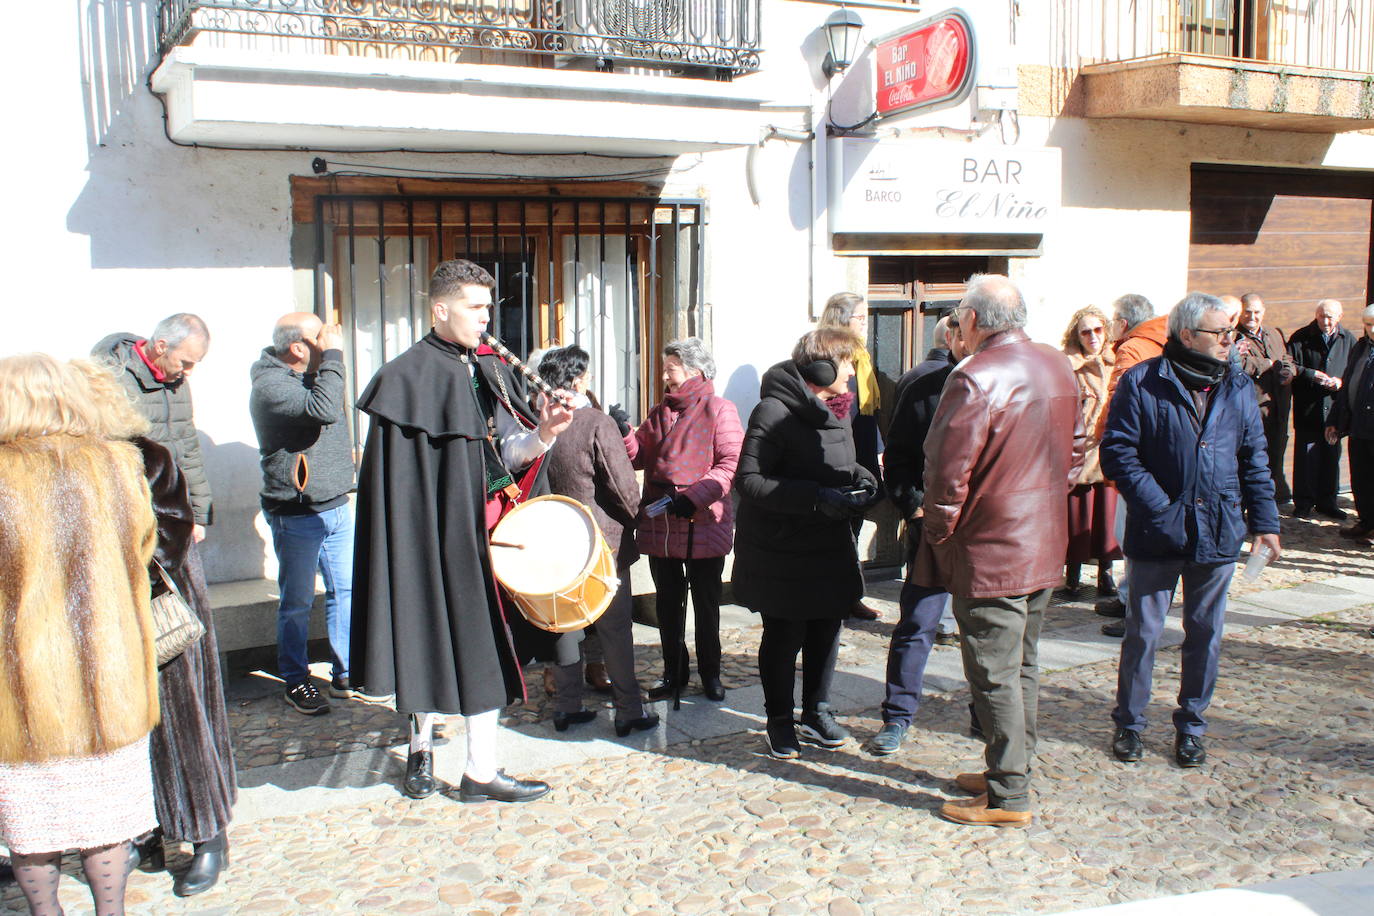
{"x":597,"y":677}
{"x":861,"y":611}
{"x":972,"y":783}
{"x":974,"y":812}
{"x":549,"y":688}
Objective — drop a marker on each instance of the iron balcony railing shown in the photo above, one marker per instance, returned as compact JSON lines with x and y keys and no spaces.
{"x":1326,"y":34}
{"x":691,"y":37}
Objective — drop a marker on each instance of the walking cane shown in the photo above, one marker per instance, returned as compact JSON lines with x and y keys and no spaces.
{"x":682,"y":625}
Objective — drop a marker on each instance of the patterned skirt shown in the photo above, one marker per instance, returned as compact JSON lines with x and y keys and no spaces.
{"x":77,"y":802}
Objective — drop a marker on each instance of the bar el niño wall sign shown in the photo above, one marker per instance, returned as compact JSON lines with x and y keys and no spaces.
{"x":935,"y":186}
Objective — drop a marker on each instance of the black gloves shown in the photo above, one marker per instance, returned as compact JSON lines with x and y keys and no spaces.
{"x":682,"y":507}
{"x":621,"y":418}
{"x":849,"y":502}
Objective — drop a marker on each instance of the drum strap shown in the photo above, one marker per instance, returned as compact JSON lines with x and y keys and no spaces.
{"x":498,"y":476}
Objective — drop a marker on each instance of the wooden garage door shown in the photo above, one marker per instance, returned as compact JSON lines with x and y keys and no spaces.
{"x":1293,"y":237}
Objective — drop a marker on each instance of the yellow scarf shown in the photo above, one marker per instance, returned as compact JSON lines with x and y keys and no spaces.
{"x":867,"y":382}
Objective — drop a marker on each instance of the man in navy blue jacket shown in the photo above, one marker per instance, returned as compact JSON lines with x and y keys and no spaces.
{"x":904,"y":463}
{"x":1185,"y":445}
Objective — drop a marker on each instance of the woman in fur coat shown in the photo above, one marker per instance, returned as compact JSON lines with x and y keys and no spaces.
{"x":193,"y":762}
{"x":77,"y":661}
{"x":1092,"y":501}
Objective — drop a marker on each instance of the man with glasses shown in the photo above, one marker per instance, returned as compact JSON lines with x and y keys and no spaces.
{"x":1004,"y":446}
{"x":1185,"y":446}
{"x":1320,"y":352}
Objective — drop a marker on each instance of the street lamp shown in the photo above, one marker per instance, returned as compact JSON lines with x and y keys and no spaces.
{"x":842,"y":29}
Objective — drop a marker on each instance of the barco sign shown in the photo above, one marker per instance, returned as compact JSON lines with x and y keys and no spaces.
{"x":939,"y":187}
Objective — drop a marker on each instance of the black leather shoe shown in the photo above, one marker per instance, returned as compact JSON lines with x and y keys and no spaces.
{"x":1117,"y":630}
{"x":502,"y":788}
{"x":713,"y":688}
{"x":562,"y":721}
{"x":1127,"y":746}
{"x":210,"y":858}
{"x":642,"y":724}
{"x":1188,"y":750}
{"x":419,"y":781}
{"x":1110,"y":607}
{"x":663,"y":690}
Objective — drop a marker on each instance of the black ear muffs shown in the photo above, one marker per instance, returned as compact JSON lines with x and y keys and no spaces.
{"x":820,"y":372}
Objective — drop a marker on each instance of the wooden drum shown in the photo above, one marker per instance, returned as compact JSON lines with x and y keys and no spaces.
{"x":551,"y":557}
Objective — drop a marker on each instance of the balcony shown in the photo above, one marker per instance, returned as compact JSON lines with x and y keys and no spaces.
{"x":717,"y":38}
{"x":1302,"y":65}
{"x":389,"y":73}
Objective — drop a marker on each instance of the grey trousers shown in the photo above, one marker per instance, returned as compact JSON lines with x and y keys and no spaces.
{"x":1204,"y":614}
{"x":1000,"y":639}
{"x":618,"y":646}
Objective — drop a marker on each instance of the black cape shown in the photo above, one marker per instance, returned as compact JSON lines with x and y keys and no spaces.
{"x":427,"y":624}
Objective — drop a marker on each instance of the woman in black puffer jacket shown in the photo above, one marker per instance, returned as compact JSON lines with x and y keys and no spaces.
{"x":795,"y":561}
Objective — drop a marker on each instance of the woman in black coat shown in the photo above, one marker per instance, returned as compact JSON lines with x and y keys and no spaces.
{"x":795,"y":560}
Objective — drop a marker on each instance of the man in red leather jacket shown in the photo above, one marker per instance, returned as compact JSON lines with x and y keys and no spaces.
{"x":1004,"y":448}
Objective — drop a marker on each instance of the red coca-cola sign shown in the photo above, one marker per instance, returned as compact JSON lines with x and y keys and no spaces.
{"x":925,"y":66}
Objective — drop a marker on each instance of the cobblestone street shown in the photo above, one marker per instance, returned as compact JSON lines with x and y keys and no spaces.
{"x":711,"y":825}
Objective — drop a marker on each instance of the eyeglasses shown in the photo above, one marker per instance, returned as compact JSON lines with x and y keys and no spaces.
{"x":1092,"y":332}
{"x":1222,"y":333}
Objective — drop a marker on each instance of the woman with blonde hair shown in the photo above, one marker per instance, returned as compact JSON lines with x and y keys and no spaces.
{"x":849,"y":311}
{"x":76,"y":641}
{"x":1092,"y":501}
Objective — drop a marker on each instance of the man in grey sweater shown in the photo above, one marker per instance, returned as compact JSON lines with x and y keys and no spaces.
{"x":298,"y":409}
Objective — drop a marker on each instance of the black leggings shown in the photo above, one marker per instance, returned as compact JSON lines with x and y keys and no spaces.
{"x":817,"y":640}
{"x":671,"y":579}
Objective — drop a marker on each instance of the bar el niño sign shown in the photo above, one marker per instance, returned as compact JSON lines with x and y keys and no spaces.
{"x":934,"y":186}
{"x":925,"y":66}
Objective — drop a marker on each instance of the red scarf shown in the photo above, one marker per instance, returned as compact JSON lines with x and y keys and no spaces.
{"x":686,"y":445}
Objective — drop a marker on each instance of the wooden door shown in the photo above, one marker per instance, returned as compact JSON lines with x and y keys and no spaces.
{"x":1294,"y":237}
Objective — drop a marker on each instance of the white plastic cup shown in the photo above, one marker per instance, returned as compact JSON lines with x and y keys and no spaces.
{"x":1259,"y":558}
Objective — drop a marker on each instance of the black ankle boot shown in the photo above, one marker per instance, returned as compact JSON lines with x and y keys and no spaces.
{"x":149,"y":854}
{"x":210,"y":858}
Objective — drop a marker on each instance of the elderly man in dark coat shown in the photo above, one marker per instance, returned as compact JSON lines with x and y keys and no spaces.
{"x":449,"y":439}
{"x":1185,"y":445}
{"x":1353,"y":415}
{"x":1264,"y":357}
{"x":1320,"y":352}
{"x":193,"y":761}
{"x":1005,"y":446}
{"x":796,"y":564}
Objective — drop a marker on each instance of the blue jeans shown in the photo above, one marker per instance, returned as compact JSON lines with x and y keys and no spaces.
{"x":1204,"y":611}
{"x":909,"y":650}
{"x":303,"y":544}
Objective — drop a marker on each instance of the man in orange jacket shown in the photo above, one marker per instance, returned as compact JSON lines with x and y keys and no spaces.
{"x":1138,"y":336}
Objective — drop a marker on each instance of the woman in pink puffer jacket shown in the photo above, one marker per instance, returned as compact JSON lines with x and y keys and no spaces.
{"x":687,"y":447}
